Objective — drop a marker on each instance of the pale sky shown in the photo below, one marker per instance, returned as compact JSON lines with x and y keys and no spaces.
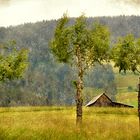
{"x":14,"y":12}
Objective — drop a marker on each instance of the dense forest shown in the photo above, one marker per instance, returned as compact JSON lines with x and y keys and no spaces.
{"x":47,"y":82}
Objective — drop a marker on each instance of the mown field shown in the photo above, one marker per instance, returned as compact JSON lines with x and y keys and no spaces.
{"x":58,"y":123}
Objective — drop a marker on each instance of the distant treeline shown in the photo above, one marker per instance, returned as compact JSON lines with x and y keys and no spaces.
{"x":47,"y":82}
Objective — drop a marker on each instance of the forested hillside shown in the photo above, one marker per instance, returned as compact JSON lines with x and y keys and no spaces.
{"x":47,"y":82}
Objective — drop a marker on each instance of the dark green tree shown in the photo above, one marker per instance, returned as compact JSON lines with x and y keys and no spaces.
{"x":81,"y":47}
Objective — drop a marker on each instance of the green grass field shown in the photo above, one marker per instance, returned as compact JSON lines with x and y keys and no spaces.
{"x":58,"y":123}
{"x":126,"y":80}
{"x":127,"y":87}
{"x":128,"y":98}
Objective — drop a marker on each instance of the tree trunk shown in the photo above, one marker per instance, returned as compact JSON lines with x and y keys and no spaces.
{"x":79,"y":102}
{"x":139,"y":102}
{"x":79,"y":86}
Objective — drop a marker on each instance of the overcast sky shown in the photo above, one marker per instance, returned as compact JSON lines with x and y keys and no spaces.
{"x":14,"y":12}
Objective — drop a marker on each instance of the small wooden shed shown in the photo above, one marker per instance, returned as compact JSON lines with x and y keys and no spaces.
{"x":103,"y":100}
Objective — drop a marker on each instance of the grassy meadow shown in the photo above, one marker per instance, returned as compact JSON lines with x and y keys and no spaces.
{"x":58,"y":123}
{"x":127,"y":88}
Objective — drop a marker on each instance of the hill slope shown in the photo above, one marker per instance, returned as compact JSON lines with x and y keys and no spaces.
{"x":46,"y":81}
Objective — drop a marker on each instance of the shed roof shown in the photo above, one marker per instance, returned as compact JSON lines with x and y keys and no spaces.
{"x":114,"y":103}
{"x":96,"y":98}
{"x":119,"y":104}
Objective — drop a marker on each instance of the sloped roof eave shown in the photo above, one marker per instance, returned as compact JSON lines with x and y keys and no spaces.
{"x":96,"y":98}
{"x":123,"y":104}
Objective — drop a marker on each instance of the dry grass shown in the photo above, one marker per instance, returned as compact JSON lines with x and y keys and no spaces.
{"x":58,"y":123}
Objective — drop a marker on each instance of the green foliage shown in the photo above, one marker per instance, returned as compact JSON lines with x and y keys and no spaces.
{"x":101,"y":42}
{"x":93,"y":43}
{"x":126,"y":53}
{"x":60,"y":46}
{"x":12,"y":62}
